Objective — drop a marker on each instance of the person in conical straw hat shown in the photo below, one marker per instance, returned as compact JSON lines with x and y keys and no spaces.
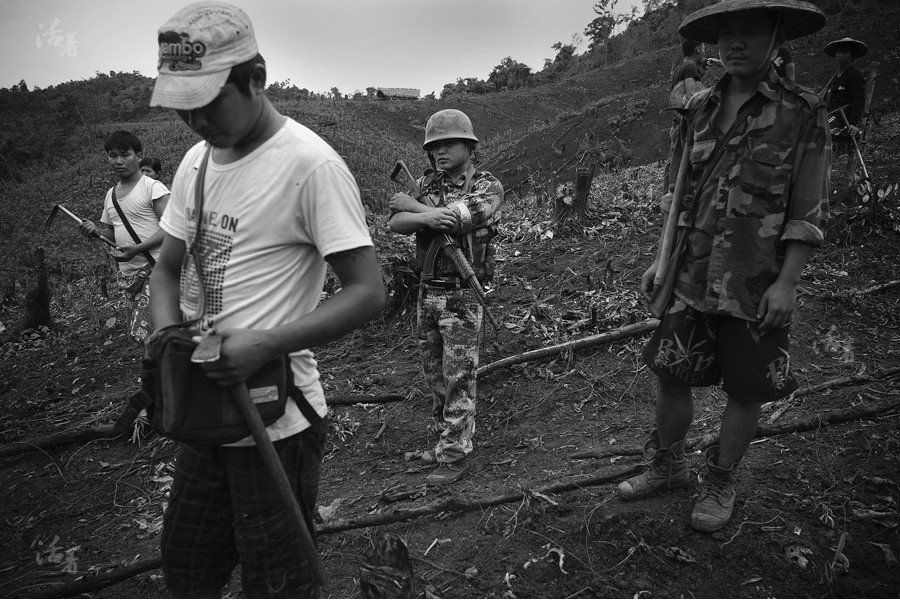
{"x":846,"y":88}
{"x":756,"y":151}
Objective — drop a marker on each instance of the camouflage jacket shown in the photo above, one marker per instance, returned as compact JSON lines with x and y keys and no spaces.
{"x":771,"y":186}
{"x":476,"y":198}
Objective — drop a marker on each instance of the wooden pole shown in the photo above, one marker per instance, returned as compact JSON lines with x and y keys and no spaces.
{"x":241,"y":397}
{"x":628,"y":331}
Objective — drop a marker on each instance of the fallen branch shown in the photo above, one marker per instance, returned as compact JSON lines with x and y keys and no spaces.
{"x":364,"y":399}
{"x":455,"y":504}
{"x":873,"y":288}
{"x":461,"y":504}
{"x":67,"y":438}
{"x":60,"y":439}
{"x":814,"y":421}
{"x":628,"y":331}
{"x":844,"y":294}
{"x":93,"y":583}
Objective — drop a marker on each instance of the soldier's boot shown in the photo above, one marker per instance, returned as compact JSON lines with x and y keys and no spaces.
{"x":717,"y":495}
{"x":667,"y":470}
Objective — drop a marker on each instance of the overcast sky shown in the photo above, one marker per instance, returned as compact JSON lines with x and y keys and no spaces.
{"x":316,"y":44}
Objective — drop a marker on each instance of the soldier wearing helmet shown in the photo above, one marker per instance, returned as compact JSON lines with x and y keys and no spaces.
{"x":756,"y":150}
{"x":465,"y":203}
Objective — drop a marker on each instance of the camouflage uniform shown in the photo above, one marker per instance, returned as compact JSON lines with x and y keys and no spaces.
{"x":770,"y":187}
{"x":448,"y":313}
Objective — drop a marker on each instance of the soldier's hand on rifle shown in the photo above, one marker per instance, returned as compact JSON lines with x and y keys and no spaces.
{"x":853,"y":130}
{"x":440,"y":219}
{"x":401,"y":202}
{"x":776,"y":309}
{"x":647,"y":280}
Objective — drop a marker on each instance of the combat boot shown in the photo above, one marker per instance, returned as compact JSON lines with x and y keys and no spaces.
{"x":667,"y":470}
{"x":717,"y":494}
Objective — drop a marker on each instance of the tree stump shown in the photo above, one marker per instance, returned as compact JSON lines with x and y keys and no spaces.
{"x":583,"y":178}
{"x":37,"y":299}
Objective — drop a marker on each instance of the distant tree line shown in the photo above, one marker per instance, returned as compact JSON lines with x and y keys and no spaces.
{"x":611,"y":36}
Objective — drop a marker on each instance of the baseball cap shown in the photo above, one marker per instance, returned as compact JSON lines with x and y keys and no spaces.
{"x":197,"y":48}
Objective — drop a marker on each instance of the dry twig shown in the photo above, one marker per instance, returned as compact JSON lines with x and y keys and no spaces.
{"x":628,"y":331}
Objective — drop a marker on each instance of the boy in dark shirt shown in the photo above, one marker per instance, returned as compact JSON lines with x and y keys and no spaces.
{"x":847,"y":87}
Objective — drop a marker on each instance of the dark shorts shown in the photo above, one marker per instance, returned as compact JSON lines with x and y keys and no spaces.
{"x":697,"y":349}
{"x":224,"y":509}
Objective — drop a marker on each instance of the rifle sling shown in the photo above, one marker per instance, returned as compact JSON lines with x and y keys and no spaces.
{"x":440,"y":241}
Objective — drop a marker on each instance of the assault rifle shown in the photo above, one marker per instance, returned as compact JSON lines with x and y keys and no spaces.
{"x":451,"y":249}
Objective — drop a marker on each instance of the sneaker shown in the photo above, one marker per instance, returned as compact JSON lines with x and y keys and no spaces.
{"x":447,"y":473}
{"x":717,"y":495}
{"x":667,"y":471}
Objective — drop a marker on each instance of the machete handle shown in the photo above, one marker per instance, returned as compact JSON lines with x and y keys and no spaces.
{"x":241,"y":397}
{"x":410,"y":182}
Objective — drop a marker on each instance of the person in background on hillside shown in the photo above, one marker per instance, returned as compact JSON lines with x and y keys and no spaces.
{"x":757,"y":189}
{"x":130,"y":218}
{"x":687,"y":77}
{"x":151,"y":167}
{"x":846,"y":88}
{"x":278,"y":206}
{"x":783,"y":62}
{"x":459,"y":200}
{"x":685,"y":82}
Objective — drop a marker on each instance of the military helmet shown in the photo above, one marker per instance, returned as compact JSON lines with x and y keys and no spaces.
{"x":448,"y":124}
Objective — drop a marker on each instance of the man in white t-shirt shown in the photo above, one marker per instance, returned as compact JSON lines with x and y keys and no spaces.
{"x":278,"y":204}
{"x":142,"y":201}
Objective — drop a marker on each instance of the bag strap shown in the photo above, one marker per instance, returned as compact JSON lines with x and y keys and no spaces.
{"x":198,"y":214}
{"x":303,"y":404}
{"x":722,"y":142}
{"x":131,"y":232}
{"x":293,"y":391}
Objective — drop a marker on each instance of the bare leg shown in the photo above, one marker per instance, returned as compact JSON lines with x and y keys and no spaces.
{"x":674,"y":412}
{"x":738,"y":426}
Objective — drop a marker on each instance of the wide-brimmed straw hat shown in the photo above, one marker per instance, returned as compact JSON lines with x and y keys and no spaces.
{"x":197,"y":48}
{"x":798,"y":18}
{"x":857,"y":48}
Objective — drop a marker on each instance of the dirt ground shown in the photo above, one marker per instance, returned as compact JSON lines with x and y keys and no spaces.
{"x":94,"y":507}
{"x":817,"y":512}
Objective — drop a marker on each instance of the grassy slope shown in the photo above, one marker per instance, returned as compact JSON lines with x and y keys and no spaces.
{"x":613,"y":115}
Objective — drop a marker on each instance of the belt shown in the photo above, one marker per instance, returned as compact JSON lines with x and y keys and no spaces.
{"x":446,"y":284}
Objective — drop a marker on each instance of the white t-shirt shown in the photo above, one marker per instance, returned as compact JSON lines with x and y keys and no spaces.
{"x":269,"y":219}
{"x":138,"y":208}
